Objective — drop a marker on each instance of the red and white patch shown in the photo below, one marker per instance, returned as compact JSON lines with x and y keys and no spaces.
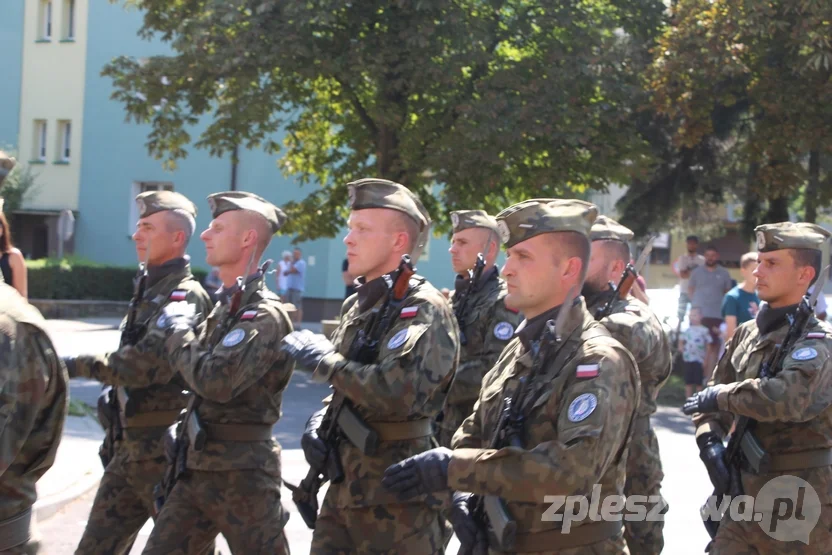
{"x":816,"y":335}
{"x":409,"y":312}
{"x":248,"y":315}
{"x":586,"y":371}
{"x":179,"y":295}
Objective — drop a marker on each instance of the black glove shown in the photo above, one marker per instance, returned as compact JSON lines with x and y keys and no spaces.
{"x":169,"y":443}
{"x":314,"y":448}
{"x":307,"y":348}
{"x":423,"y":473}
{"x":472,"y":539}
{"x":702,"y":402}
{"x":71,"y":368}
{"x":103,"y":406}
{"x":712,"y":453}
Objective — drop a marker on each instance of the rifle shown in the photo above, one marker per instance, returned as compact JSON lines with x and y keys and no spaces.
{"x":743,"y":445}
{"x":628,"y":279}
{"x":341,"y":418}
{"x":459,"y":312}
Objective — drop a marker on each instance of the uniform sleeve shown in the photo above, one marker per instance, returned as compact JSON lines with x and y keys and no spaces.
{"x":221,"y":372}
{"x":417,"y":357}
{"x":591,"y":444}
{"x":145,"y":363}
{"x":724,"y":373}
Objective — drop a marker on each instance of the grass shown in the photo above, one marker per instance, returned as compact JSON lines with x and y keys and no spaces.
{"x":78,"y":408}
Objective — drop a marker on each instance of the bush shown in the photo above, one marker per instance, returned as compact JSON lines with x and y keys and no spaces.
{"x":79,"y":279}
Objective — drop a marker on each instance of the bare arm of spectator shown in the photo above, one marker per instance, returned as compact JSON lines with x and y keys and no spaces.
{"x":691,"y":285}
{"x":20,"y":279}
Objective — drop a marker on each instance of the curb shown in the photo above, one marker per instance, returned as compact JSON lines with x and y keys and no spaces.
{"x":47,"y":507}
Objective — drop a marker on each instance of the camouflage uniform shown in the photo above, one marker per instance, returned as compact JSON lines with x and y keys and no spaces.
{"x":792,"y":409}
{"x":232,"y":484}
{"x":636,"y":327}
{"x":397,"y":395}
{"x":32,"y":413}
{"x":578,"y":409}
{"x":154,"y":395}
{"x":487,"y":325}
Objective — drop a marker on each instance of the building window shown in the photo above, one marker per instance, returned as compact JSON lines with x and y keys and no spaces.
{"x":39,"y":147}
{"x":137,"y":188}
{"x":46,"y":20}
{"x":69,"y":19}
{"x":64,"y":140}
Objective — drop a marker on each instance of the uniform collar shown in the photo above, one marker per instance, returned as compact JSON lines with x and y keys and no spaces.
{"x":254,"y":282}
{"x":369,"y":293}
{"x":532,"y":330}
{"x":155,"y":274}
{"x":462,"y":283}
{"x":769,"y":319}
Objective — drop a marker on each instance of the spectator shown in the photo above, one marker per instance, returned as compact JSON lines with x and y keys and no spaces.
{"x":295,"y":285}
{"x":706,"y":287}
{"x":741,"y":303}
{"x":281,"y":278}
{"x":820,"y":306}
{"x":692,"y":345}
{"x":212,"y":283}
{"x":683,"y":267}
{"x":12,"y":265}
{"x":349,"y":279}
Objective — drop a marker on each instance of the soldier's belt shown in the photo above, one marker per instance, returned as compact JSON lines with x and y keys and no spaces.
{"x":555,"y":540}
{"x":152,"y":419}
{"x":14,"y":531}
{"x":237,"y":432}
{"x":816,"y":458}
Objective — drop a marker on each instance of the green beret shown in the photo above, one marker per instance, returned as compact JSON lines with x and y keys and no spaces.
{"x":790,"y":235}
{"x":467,"y":219}
{"x":529,"y":218}
{"x":151,"y":202}
{"x":238,"y":200}
{"x":607,"y":229}
{"x":6,"y":165}
{"x":381,"y":193}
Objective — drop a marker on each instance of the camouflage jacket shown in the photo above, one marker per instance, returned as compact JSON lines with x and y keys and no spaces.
{"x":33,"y":402}
{"x":234,"y":364}
{"x":792,"y":409}
{"x":488,"y":326}
{"x":578,"y":411}
{"x":143,"y":369}
{"x":409,"y":380}
{"x":636,"y":327}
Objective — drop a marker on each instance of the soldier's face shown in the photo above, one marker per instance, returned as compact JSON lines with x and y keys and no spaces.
{"x":538,"y":274}
{"x":223,"y":239}
{"x":152,"y":233}
{"x":369,"y":242}
{"x":465,"y":246}
{"x":599,"y":273}
{"x":779,"y":280}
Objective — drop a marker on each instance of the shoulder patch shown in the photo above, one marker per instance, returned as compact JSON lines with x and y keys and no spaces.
{"x":587,"y":370}
{"x":806,"y":353}
{"x":503,"y":330}
{"x":233,"y":338}
{"x":816,"y":335}
{"x":409,"y":312}
{"x":162,"y":321}
{"x":248,"y":315}
{"x":581,"y":407}
{"x":178,"y":295}
{"x":398,"y":340}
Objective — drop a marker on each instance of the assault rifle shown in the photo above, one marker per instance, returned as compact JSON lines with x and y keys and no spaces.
{"x":459,"y":312}
{"x":628,"y":279}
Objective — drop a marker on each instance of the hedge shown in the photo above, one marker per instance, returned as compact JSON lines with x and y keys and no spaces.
{"x":78,"y":279}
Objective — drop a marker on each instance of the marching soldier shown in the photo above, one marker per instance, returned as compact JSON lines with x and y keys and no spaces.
{"x":554,"y":413}
{"x":225,"y":470}
{"x":391,"y":362}
{"x":790,"y":404}
{"x":147,"y":393}
{"x":636,"y":327}
{"x":486,"y":325}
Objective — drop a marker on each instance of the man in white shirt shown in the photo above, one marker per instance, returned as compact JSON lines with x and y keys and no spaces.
{"x":683,"y":266}
{"x":280,"y":275}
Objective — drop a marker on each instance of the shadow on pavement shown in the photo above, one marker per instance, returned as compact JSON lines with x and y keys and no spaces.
{"x":673,"y":419}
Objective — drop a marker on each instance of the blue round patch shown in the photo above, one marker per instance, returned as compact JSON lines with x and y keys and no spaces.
{"x":503,"y":331}
{"x":233,"y":338}
{"x":806,"y":353}
{"x":581,"y":407}
{"x":162,"y":321}
{"x":398,"y":340}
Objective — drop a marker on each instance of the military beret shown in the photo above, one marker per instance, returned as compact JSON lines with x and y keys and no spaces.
{"x":790,"y":235}
{"x":6,"y":165}
{"x":381,"y":193}
{"x":607,"y":229}
{"x":238,"y":200}
{"x":529,"y":218}
{"x":467,"y":219}
{"x":151,"y":202}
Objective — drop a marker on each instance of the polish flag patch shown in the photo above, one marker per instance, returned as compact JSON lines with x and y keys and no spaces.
{"x":248,"y":315}
{"x":409,"y":312}
{"x":179,"y":295}
{"x":586,"y":371}
{"x":816,"y":335}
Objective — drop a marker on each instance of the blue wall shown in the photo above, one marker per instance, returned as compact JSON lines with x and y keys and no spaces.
{"x":114,"y":156}
{"x":11,"y":63}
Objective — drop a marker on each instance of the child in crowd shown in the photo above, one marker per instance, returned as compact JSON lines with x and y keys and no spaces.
{"x":693,"y":344}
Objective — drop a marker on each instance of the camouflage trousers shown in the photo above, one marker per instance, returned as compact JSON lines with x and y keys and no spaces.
{"x":122,"y":505}
{"x":749,"y":538}
{"x":243,"y":505}
{"x":405,"y":529}
{"x":612,"y":546}
{"x":644,"y":477}
{"x":31,"y":547}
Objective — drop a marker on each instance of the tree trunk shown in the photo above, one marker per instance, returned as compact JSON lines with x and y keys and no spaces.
{"x":810,"y":200}
{"x":778,"y":210}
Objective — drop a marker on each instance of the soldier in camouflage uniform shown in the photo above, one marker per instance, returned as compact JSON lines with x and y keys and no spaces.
{"x":398,"y":394}
{"x":792,"y":409}
{"x":486,"y":324}
{"x":634,"y":325}
{"x":232,"y":365}
{"x":570,"y":424}
{"x":148,"y":391}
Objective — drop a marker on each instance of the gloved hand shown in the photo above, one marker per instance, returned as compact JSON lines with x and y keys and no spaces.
{"x":314,"y":448}
{"x":712,"y":453}
{"x":423,"y":473}
{"x":169,"y":443}
{"x":179,"y":316}
{"x":71,"y":367}
{"x":703,"y":401}
{"x":103,"y":406}
{"x":472,"y":538}
{"x":307,"y":348}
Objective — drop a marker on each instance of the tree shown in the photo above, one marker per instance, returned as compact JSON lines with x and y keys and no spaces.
{"x":19,"y":185}
{"x":494,"y":101}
